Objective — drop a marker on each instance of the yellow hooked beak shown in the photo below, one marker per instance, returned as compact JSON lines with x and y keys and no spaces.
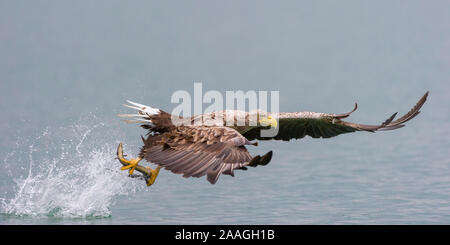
{"x":269,"y":121}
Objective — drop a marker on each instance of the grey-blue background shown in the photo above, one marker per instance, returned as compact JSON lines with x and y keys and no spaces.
{"x":67,"y":66}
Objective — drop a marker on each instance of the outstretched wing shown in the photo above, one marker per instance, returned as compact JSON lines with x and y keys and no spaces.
{"x":202,"y":150}
{"x":297,"y":125}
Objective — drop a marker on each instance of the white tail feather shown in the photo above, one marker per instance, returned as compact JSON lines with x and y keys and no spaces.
{"x":132,"y":107}
{"x":131,"y":115}
{"x":135,"y":121}
{"x":143,"y":108}
{"x":137,"y":104}
{"x":144,"y":113}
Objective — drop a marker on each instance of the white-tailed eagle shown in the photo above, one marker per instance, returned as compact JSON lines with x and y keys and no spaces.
{"x":213,"y":149}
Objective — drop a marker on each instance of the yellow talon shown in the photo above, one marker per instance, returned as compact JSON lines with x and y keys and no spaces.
{"x":129,"y":164}
{"x":149,"y":174}
{"x":132,"y":164}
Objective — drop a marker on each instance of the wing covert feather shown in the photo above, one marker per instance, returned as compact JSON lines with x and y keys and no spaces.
{"x":198,"y":151}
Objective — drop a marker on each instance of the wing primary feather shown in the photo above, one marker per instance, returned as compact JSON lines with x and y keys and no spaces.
{"x":389,"y":120}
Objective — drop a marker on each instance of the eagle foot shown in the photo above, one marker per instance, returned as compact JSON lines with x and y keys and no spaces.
{"x":127,"y":164}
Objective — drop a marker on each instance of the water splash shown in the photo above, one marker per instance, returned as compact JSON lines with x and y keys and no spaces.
{"x":68,"y":172}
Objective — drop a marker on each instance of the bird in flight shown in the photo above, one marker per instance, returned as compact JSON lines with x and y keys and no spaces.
{"x":216,"y":147}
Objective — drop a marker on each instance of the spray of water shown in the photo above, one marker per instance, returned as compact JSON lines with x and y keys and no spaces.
{"x":67,"y":172}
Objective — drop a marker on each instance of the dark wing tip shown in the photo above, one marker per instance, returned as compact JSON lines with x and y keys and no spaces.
{"x":389,"y":124}
{"x":389,"y":120}
{"x":410,"y":115}
{"x":255,"y":161}
{"x":266,"y":159}
{"x":261,"y":160}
